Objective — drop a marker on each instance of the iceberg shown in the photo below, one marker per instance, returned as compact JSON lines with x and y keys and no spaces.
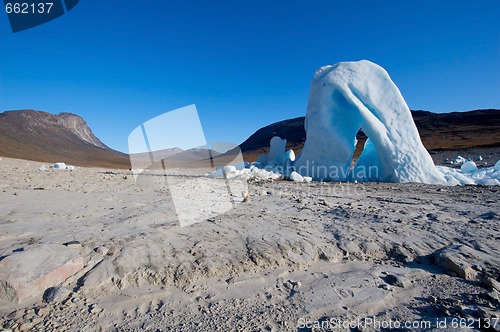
{"x":343,"y":99}
{"x":349,"y":96}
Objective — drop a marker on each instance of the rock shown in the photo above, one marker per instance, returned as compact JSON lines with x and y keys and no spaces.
{"x":25,"y":326}
{"x":432,"y":299}
{"x":401,"y":254}
{"x":112,"y":251}
{"x":395,"y":280}
{"x":42,"y":311}
{"x":55,"y":294}
{"x":488,"y":215}
{"x":27,"y":274}
{"x":491,"y":283}
{"x":491,"y":296}
{"x":482,"y":313}
{"x":454,"y":259}
{"x":385,"y":287}
{"x":101,"y":250}
{"x":73,"y":244}
{"x":36,"y":320}
{"x":432,"y":217}
{"x":94,"y":309}
{"x":15,"y":314}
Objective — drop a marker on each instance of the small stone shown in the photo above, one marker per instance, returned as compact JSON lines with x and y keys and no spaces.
{"x":491,"y":283}
{"x":432,"y":299}
{"x":75,"y":300}
{"x":482,"y":313}
{"x":36,"y":320}
{"x":246,"y":196}
{"x":432,"y":217}
{"x":492,"y":296}
{"x":25,"y":326}
{"x":444,"y":311}
{"x":263,"y":192}
{"x":385,"y":287}
{"x":42,"y":311}
{"x":478,"y":268}
{"x":112,"y":251}
{"x":394,"y":280}
{"x":73,"y":244}
{"x":94,"y":309}
{"x":15,"y":314}
{"x":55,"y":294}
{"x":101,"y":250}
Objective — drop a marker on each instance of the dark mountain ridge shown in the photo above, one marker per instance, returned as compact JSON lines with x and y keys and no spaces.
{"x":439,"y":131}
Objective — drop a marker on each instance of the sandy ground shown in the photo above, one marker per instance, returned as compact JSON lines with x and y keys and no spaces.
{"x":295,"y":257}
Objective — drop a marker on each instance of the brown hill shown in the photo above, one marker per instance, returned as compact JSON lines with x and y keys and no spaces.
{"x":446,"y":131}
{"x":40,"y":136}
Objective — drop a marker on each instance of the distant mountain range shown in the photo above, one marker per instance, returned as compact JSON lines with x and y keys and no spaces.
{"x":444,"y":131}
{"x":40,"y":136}
{"x":66,"y":137}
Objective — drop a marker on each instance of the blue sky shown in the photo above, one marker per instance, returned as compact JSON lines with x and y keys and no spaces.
{"x":245,"y":64}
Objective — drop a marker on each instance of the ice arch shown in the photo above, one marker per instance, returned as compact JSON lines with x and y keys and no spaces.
{"x":346,"y":97}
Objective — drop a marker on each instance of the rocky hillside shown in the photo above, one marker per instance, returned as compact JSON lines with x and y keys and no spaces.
{"x":445,"y":131}
{"x":41,"y":136}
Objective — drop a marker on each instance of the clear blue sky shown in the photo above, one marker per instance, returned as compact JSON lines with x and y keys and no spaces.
{"x":244,"y":63}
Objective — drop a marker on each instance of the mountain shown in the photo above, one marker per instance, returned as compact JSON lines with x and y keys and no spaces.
{"x":40,"y":136}
{"x":66,"y":137}
{"x":443,"y":131}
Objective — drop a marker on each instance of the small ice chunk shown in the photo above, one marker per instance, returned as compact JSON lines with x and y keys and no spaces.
{"x":294,"y":176}
{"x":262,"y":159}
{"x":290,"y":155}
{"x":42,"y":168}
{"x":230,"y":169}
{"x":497,"y":166}
{"x":70,"y":168}
{"x":277,"y":150}
{"x":240,"y":166}
{"x":59,"y":166}
{"x":307,"y":178}
{"x":488,"y":182}
{"x":468,"y":167}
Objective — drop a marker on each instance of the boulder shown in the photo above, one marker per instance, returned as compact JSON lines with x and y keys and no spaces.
{"x":456,"y":259}
{"x":27,"y":274}
{"x":55,"y":294}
